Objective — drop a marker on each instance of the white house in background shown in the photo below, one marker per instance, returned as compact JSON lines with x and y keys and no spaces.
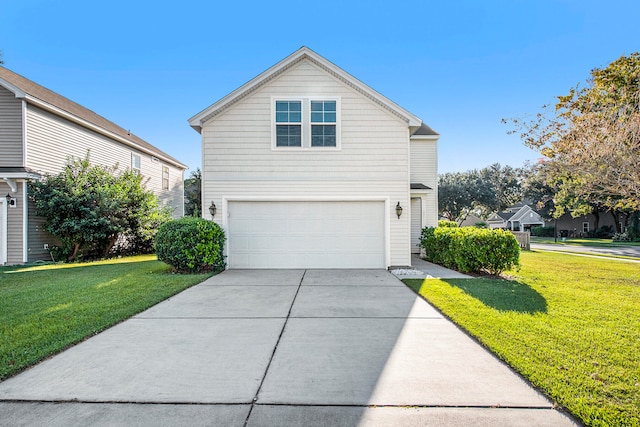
{"x":311,"y":168}
{"x":39,"y":129}
{"x":519,"y":217}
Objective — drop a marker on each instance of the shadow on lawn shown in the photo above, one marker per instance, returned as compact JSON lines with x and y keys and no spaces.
{"x":503,"y":295}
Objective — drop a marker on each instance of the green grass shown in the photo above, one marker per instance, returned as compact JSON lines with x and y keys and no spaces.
{"x":45,"y":309}
{"x":570,"y":325}
{"x":600,"y":243}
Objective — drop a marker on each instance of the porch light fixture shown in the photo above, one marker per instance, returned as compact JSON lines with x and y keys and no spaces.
{"x":398,"y":210}
{"x":11,"y":201}
{"x":212,"y":209}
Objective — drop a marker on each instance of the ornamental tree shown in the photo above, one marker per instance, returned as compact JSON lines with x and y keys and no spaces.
{"x":90,"y":208}
{"x":591,"y":139}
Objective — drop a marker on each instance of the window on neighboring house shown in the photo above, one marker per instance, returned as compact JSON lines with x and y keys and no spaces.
{"x":288,"y":124}
{"x":165,"y":177}
{"x":585,"y":227}
{"x":135,"y":163}
{"x":307,"y":123}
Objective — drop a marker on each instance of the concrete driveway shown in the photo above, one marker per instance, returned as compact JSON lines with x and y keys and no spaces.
{"x":277,"y":348}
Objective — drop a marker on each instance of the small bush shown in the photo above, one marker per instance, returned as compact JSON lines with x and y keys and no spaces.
{"x":447,"y":223}
{"x":470,"y":249}
{"x":480,"y":224}
{"x":605,"y":232}
{"x":542,"y":231}
{"x":621,"y":237}
{"x":191,"y":245}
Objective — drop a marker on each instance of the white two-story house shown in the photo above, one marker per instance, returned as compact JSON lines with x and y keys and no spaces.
{"x":39,"y":130}
{"x":308,"y":167}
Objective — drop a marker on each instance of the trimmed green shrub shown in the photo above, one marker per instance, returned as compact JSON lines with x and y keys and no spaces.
{"x":191,"y":245}
{"x":447,"y":223}
{"x":471,"y":249}
{"x":543,"y":231}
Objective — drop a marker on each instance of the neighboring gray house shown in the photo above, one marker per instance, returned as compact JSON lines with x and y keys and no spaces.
{"x":39,"y":129}
{"x":311,"y":168}
{"x":519,"y":217}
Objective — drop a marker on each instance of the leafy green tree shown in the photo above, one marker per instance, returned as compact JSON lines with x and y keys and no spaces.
{"x":90,"y":208}
{"x":193,"y":194}
{"x":592,"y":140}
{"x":456,"y":195}
{"x":498,"y":188}
{"x":483,"y":191}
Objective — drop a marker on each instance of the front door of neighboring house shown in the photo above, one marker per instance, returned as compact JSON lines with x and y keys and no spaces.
{"x":3,"y":231}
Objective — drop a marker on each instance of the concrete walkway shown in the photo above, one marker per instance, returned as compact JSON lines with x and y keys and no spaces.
{"x":279,"y":348}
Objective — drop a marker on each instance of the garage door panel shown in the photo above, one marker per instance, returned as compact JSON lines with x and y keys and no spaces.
{"x":306,"y":235}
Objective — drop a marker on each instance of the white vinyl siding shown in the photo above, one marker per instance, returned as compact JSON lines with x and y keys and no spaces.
{"x":424,"y":170}
{"x":14,"y":221}
{"x":238,"y":159}
{"x":306,"y":234}
{"x":52,"y":140}
{"x":11,"y":148}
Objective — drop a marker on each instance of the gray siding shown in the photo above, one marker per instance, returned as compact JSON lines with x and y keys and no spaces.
{"x":38,"y":237}
{"x":11,"y":151}
{"x":52,"y":139}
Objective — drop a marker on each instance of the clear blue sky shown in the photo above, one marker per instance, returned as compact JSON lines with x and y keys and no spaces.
{"x":461,"y":66}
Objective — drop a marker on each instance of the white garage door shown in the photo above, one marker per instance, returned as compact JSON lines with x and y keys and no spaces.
{"x":306,"y":235}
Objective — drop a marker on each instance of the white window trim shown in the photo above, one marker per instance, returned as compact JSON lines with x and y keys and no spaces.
{"x":164,"y":167}
{"x":306,"y":123}
{"x":588,"y":227}
{"x":133,"y":168}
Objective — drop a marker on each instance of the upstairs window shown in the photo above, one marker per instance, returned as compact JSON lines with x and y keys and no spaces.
{"x":306,"y":123}
{"x":165,"y":177}
{"x":288,"y":124}
{"x":135,"y":163}
{"x":323,"y":123}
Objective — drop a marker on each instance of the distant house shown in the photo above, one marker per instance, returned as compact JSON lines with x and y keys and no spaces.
{"x":519,"y":217}
{"x":472,"y":220}
{"x":311,"y":168}
{"x":586,"y":225}
{"x":39,"y":129}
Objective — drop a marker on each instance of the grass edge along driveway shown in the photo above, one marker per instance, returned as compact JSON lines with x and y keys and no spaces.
{"x":45,"y":309}
{"x":570,"y":325}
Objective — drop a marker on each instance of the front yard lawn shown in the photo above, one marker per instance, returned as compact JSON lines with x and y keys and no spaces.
{"x":45,"y":309}
{"x":570,"y":325}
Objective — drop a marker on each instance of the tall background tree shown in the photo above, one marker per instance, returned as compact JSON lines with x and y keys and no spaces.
{"x":591,"y":139}
{"x":481,"y":192}
{"x":192,"y":194}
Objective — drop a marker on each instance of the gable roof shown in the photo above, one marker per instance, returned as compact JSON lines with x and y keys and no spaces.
{"x":302,"y":54}
{"x":46,"y":99}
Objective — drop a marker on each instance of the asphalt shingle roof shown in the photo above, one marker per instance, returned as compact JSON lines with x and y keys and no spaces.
{"x":58,"y":101}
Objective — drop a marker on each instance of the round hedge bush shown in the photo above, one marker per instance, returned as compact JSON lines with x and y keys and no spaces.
{"x":191,"y":245}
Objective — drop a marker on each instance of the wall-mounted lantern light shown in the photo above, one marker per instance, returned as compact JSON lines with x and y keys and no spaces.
{"x":11,"y":201}
{"x":398,"y":210}
{"x":212,"y":209}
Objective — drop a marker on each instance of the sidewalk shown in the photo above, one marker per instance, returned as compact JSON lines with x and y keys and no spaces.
{"x":421,"y":269}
